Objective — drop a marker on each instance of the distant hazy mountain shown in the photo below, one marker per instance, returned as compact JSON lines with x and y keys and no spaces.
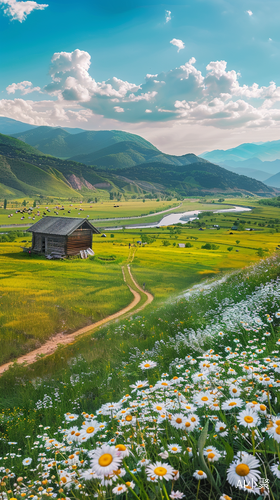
{"x":273,"y":181}
{"x":59,"y":142}
{"x":267,"y":151}
{"x":9,"y":126}
{"x":249,"y":172}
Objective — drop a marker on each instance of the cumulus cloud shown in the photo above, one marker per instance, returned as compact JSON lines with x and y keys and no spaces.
{"x":25,"y":88}
{"x":18,"y":10}
{"x":167,"y":16}
{"x":186,"y":95}
{"x":178,"y":43}
{"x":249,"y":12}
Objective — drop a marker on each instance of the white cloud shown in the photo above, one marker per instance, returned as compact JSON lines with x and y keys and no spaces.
{"x":178,"y":43}
{"x":118,"y":109}
{"x":25,"y":88}
{"x":167,"y":16}
{"x":249,"y":12}
{"x":20,"y":10}
{"x":212,"y":99}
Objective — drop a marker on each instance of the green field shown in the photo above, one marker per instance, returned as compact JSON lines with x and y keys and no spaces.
{"x":40,"y":298}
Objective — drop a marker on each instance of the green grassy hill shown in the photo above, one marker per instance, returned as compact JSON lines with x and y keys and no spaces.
{"x":128,"y":167}
{"x":195,"y":176}
{"x":59,"y":142}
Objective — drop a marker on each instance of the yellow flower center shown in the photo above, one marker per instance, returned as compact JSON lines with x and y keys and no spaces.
{"x":262,"y":407}
{"x":178,"y":420}
{"x":242,"y":470}
{"x":90,"y":430}
{"x":222,"y":428}
{"x":64,"y":480}
{"x":234,"y":391}
{"x":277,"y":422}
{"x":128,"y":418}
{"x":146,"y":365}
{"x":160,"y":471}
{"x":174,"y":448}
{"x":187,"y":424}
{"x":204,"y":398}
{"x":121,"y":447}
{"x":105,"y":460}
{"x":158,"y":408}
{"x":200,"y":472}
{"x":248,"y":419}
{"x":277,"y":430}
{"x":211,"y":455}
{"x":232,"y":403}
{"x":193,"y":419}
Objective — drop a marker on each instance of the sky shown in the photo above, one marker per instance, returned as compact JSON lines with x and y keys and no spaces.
{"x":187,"y":75}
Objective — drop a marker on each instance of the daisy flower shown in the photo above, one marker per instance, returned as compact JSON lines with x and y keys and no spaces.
{"x":234,"y":391}
{"x":118,"y":490}
{"x":105,"y":460}
{"x":203,"y":398}
{"x":229,"y":404}
{"x":174,"y":448}
{"x":159,"y":470}
{"x":275,"y":469}
{"x":139,"y":385}
{"x":27,"y":461}
{"x":273,"y":430}
{"x":146,"y":365}
{"x":178,"y":420}
{"x":220,"y":427}
{"x":243,"y":470}
{"x":225,"y":497}
{"x":90,"y":428}
{"x":248,"y":418}
{"x":199,"y":474}
{"x":122,"y":449}
{"x":176,"y":494}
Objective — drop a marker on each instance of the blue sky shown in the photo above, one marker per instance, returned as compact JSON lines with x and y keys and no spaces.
{"x":210,"y":64}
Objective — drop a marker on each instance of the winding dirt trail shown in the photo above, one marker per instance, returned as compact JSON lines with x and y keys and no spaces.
{"x":63,"y":339}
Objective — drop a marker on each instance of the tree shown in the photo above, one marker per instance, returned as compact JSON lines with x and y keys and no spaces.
{"x":34,"y":204}
{"x":111,"y":195}
{"x":24,"y":203}
{"x":5,"y":203}
{"x":237,"y":242}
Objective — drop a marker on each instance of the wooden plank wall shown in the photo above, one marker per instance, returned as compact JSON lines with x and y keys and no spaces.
{"x":81,"y":239}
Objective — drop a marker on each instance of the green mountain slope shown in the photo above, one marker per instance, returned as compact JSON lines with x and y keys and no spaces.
{"x":198,"y":176}
{"x":26,"y":170}
{"x":127,"y":154}
{"x":59,"y":142}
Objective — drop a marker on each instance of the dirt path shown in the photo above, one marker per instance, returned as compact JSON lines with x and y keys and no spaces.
{"x":63,"y":339}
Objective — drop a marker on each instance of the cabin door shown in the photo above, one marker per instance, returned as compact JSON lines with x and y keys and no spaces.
{"x":43,"y":245}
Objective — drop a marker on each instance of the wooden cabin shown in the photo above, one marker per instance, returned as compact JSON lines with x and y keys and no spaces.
{"x":61,"y":235}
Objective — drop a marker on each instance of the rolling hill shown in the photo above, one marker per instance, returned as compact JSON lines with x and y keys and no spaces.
{"x":193,"y":177}
{"x":127,"y":167}
{"x":129,"y":153}
{"x":59,"y":142}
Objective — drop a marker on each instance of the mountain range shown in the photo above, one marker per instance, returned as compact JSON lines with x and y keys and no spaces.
{"x":52,"y":162}
{"x":260,"y":161}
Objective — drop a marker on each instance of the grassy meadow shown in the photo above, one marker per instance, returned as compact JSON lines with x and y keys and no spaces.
{"x":40,"y":298}
{"x":178,"y":402}
{"x":100,"y":210}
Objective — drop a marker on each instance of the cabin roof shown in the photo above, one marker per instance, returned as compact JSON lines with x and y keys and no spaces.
{"x":62,"y":226}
